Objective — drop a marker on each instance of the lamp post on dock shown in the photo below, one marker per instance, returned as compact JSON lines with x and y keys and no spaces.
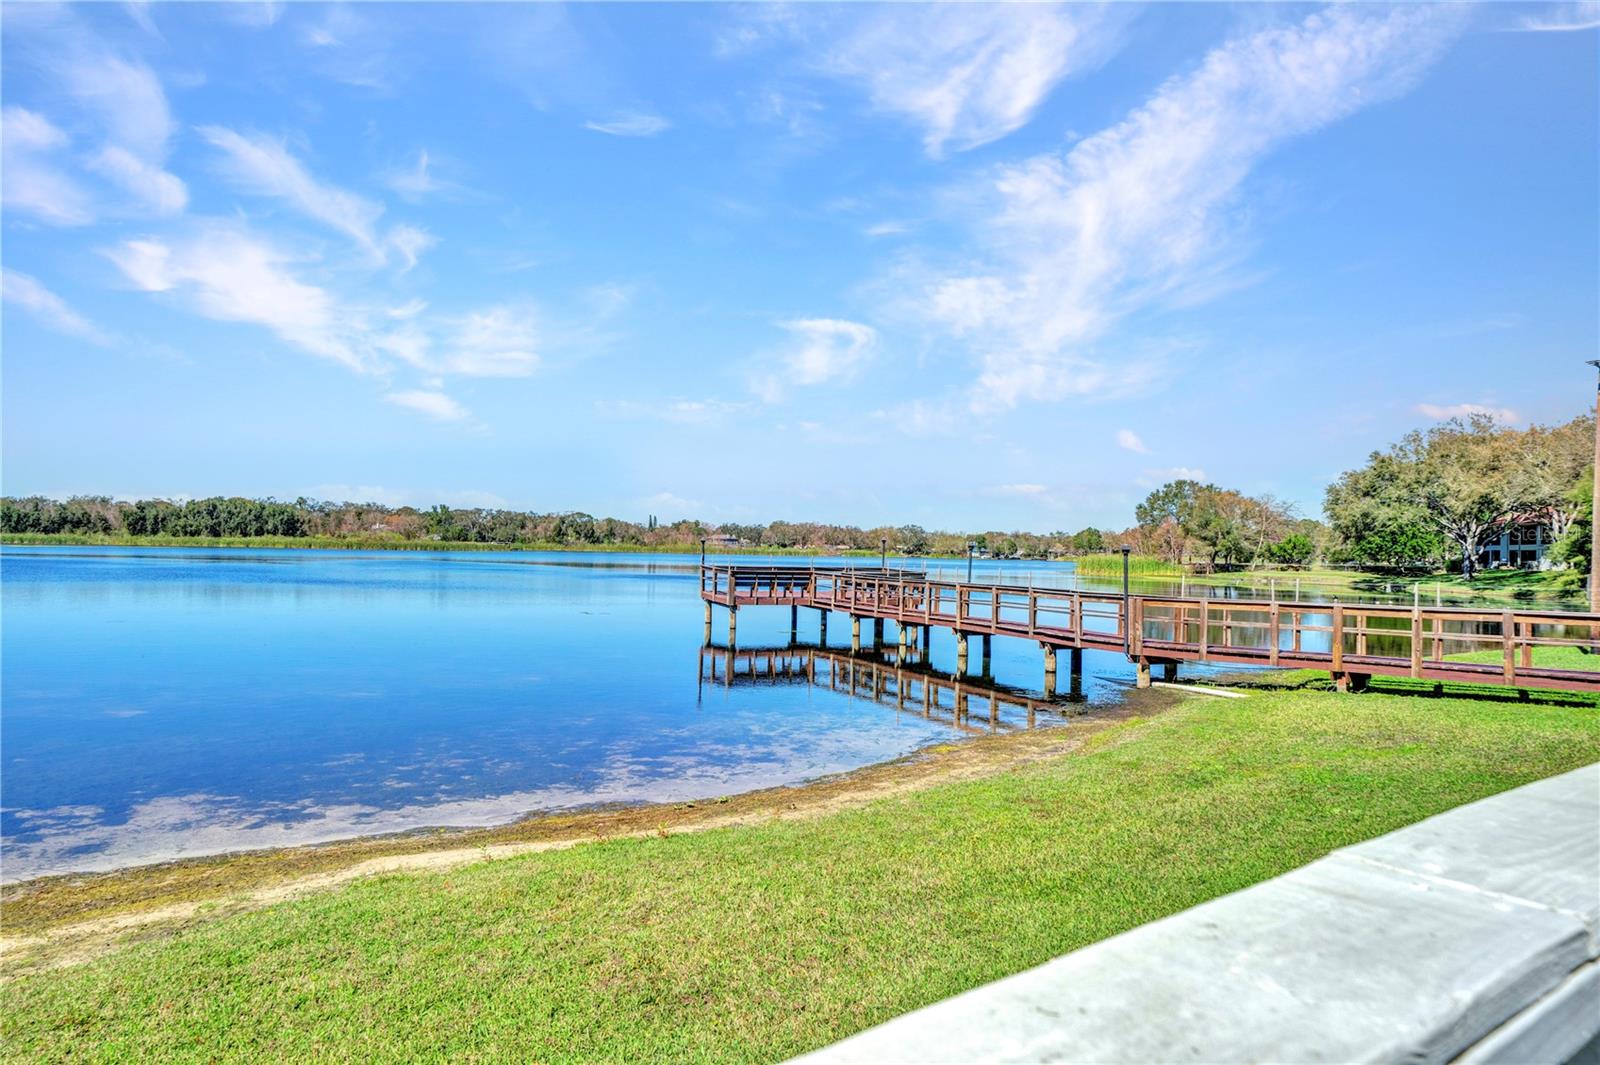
{"x":1594,"y":507}
{"x":1126,"y":643}
{"x":702,"y":552}
{"x":971,"y":547}
{"x":883,"y":552}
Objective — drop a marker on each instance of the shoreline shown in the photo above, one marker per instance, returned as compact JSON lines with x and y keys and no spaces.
{"x":65,"y":918}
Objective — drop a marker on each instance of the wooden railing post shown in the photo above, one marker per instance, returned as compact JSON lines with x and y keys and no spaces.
{"x":1205,"y":624}
{"x":1337,"y":643}
{"x":1273,"y":634}
{"x":1508,"y":637}
{"x":1416,"y":640}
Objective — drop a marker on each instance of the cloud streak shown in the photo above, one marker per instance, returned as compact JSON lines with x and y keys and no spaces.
{"x":1138,"y":214}
{"x":968,"y":74}
{"x":26,"y":292}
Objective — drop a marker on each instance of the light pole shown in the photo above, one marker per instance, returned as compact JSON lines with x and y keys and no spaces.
{"x":1127,"y":645}
{"x":702,"y":552}
{"x":1594,"y":506}
{"x":971,"y":547}
{"x":883,"y":552}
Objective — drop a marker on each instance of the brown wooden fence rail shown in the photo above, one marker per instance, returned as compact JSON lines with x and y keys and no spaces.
{"x":1352,"y":641}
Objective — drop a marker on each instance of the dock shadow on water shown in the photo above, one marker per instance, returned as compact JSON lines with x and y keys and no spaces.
{"x":165,"y":704}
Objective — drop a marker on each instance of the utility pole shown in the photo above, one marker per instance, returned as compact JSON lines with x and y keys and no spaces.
{"x":1594,"y":506}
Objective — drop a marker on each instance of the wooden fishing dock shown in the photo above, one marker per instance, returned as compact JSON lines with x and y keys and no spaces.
{"x":1351,"y":641}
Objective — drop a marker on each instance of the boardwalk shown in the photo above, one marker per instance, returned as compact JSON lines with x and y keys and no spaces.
{"x":1352,"y":642}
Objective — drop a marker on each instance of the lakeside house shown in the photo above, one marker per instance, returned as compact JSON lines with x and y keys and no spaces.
{"x":1524,"y":542}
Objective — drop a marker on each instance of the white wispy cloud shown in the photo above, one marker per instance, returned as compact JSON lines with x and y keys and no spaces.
{"x":1025,"y":491}
{"x":433,"y":404}
{"x":1129,"y":440}
{"x":127,"y":100}
{"x":1466,"y":410}
{"x":968,"y":74}
{"x":36,"y":182}
{"x":1138,"y":214}
{"x":1173,"y":473}
{"x":231,"y":275}
{"x":262,"y":165}
{"x":823,"y":350}
{"x":27,"y":292}
{"x":676,"y":411}
{"x":493,"y":342}
{"x":1563,"y":18}
{"x":157,"y":190}
{"x":409,"y":242}
{"x":417,"y":182}
{"x":631,"y":124}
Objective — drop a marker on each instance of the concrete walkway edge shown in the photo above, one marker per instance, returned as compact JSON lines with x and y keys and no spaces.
{"x":1472,"y":935}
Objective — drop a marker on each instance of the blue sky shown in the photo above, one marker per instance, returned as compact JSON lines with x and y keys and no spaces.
{"x":966,"y":265}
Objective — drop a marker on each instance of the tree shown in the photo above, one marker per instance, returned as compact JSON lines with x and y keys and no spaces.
{"x":1088,"y":541}
{"x":1461,"y":480}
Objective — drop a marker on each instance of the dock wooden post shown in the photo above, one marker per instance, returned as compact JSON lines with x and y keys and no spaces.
{"x":1416,"y":639}
{"x":733,"y":625}
{"x":708,"y":621}
{"x":877,"y":632}
{"x":961,"y":654}
{"x":987,"y":647}
{"x":1049,"y":670}
{"x":1142,"y":673}
{"x":855,"y":633}
{"x":822,"y":626}
{"x":1508,"y":631}
{"x":1169,"y":671}
{"x":1075,"y":661}
{"x":794,"y":623}
{"x":900,"y":655}
{"x":1274,"y":634}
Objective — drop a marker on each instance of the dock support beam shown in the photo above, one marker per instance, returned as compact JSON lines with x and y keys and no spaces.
{"x":1142,"y":676}
{"x":987,"y":645}
{"x":961,"y":654}
{"x":1049,"y":671}
{"x":822,"y":627}
{"x":877,"y":633}
{"x":708,"y":622}
{"x":855,"y":633}
{"x":1169,"y":671}
{"x":794,"y":623}
{"x":900,"y":655}
{"x":927,"y":638}
{"x":733,"y":625}
{"x":1350,"y":682}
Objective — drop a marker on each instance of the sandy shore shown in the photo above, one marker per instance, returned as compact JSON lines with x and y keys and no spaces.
{"x":63,"y":920}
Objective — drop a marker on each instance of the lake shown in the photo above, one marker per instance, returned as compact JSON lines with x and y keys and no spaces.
{"x":165,"y":703}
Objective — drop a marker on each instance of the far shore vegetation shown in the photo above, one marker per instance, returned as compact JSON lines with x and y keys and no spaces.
{"x":761,"y":940}
{"x":1421,"y":511}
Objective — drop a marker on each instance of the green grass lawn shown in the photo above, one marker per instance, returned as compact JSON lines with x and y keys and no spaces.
{"x":1505,"y":585}
{"x":751,"y":944}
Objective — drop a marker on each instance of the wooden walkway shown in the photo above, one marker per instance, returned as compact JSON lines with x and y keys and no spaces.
{"x":1351,"y":641}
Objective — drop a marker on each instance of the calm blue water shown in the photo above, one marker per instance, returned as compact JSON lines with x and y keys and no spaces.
{"x":168,"y":703}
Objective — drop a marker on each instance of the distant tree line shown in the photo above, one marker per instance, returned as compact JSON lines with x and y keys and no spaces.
{"x":237,"y":517}
{"x":1432,"y":500}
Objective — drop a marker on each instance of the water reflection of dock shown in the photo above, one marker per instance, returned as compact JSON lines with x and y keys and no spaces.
{"x":909,"y":684}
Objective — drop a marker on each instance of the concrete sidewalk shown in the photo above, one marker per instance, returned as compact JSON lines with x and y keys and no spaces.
{"x":1473,"y":935}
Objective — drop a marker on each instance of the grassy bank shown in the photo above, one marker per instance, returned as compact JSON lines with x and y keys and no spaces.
{"x":1507,"y":586}
{"x":1110,"y":565}
{"x":757,"y":942}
